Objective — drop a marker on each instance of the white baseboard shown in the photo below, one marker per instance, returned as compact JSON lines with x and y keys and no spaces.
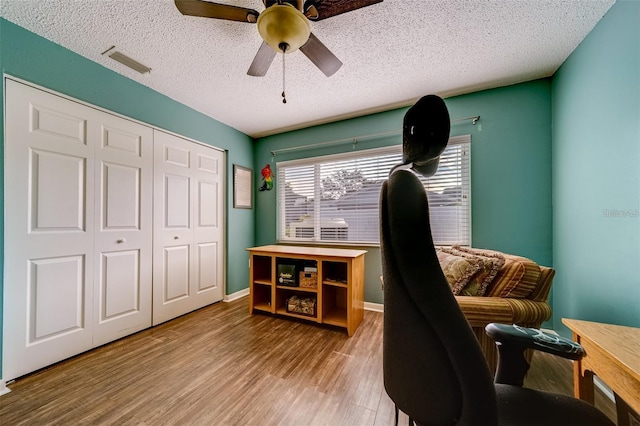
{"x":375,"y":307}
{"x":3,"y":388}
{"x":237,"y":295}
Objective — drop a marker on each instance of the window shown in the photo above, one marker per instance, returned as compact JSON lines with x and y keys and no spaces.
{"x":336,"y":198}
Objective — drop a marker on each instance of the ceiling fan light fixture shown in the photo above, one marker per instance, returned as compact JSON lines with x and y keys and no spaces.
{"x":283,"y":23}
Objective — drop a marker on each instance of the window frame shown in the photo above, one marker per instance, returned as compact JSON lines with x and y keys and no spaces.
{"x":350,"y":155}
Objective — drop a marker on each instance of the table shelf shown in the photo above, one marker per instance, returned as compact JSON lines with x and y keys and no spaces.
{"x":300,"y":289}
{"x":334,"y":283}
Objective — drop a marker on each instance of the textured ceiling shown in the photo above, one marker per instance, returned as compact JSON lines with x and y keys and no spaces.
{"x":393,"y":52}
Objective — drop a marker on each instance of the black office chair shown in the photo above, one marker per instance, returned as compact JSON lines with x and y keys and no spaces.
{"x":434,"y":369}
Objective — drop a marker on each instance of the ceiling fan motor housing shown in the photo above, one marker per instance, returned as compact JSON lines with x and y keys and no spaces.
{"x":283,"y":24}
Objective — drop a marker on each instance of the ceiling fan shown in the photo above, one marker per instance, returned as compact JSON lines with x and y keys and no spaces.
{"x":283,"y":25}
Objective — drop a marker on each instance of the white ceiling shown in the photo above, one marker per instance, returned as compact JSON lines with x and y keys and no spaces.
{"x":393,"y":53}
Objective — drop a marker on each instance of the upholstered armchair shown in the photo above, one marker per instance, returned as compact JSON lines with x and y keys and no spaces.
{"x":515,"y":292}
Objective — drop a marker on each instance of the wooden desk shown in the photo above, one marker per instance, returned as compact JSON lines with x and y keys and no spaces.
{"x":612,"y":354}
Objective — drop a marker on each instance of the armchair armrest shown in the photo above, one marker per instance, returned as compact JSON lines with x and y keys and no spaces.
{"x":480,"y":310}
{"x":513,"y":340}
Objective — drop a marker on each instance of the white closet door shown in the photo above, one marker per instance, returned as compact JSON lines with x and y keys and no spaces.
{"x":208,"y":225}
{"x":123,"y":223}
{"x":78,"y":228}
{"x":49,"y":235}
{"x":188,"y":226}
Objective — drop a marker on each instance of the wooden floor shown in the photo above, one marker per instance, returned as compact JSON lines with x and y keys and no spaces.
{"x":221,"y":366}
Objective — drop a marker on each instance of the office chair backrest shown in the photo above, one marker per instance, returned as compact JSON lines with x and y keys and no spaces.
{"x":434,"y":369}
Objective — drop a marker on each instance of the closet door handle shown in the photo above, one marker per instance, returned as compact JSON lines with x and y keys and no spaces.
{"x":177,"y":237}
{"x":121,"y":241}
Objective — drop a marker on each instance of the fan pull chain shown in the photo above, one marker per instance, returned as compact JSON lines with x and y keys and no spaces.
{"x":284,"y":96}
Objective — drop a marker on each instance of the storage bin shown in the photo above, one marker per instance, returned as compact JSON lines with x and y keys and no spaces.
{"x":308,"y":279}
{"x":302,"y":305}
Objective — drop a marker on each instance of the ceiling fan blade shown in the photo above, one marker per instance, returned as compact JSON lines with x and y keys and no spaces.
{"x":320,"y":55}
{"x":207,"y":9}
{"x":262,"y":61}
{"x":327,"y":8}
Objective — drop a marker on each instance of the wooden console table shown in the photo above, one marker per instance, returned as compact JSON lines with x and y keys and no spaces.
{"x":612,"y":354}
{"x":339,"y":283}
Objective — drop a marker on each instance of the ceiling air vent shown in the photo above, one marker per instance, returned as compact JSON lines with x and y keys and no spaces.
{"x":126,"y":61}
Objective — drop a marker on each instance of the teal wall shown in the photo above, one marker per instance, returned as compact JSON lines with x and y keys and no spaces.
{"x":596,"y":168}
{"x":35,"y":59}
{"x":510,"y":168}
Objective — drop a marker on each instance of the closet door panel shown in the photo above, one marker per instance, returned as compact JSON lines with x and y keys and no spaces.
{"x":48,"y":263}
{"x":49,"y":121}
{"x":120,"y":284}
{"x":177,"y":203}
{"x":208,"y":267}
{"x":57,"y":284}
{"x":123,"y":243}
{"x":56,"y":180}
{"x":188,"y":214}
{"x":176,"y":274}
{"x":121,"y":208}
{"x":173,"y":232}
{"x":208,"y":226}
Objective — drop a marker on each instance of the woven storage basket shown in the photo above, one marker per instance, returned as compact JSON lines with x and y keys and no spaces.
{"x":308,"y":279}
{"x":302,"y":305}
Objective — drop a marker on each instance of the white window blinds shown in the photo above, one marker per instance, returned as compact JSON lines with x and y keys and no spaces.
{"x":336,"y":198}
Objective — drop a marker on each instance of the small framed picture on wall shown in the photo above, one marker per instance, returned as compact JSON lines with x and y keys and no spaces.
{"x":242,"y":187}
